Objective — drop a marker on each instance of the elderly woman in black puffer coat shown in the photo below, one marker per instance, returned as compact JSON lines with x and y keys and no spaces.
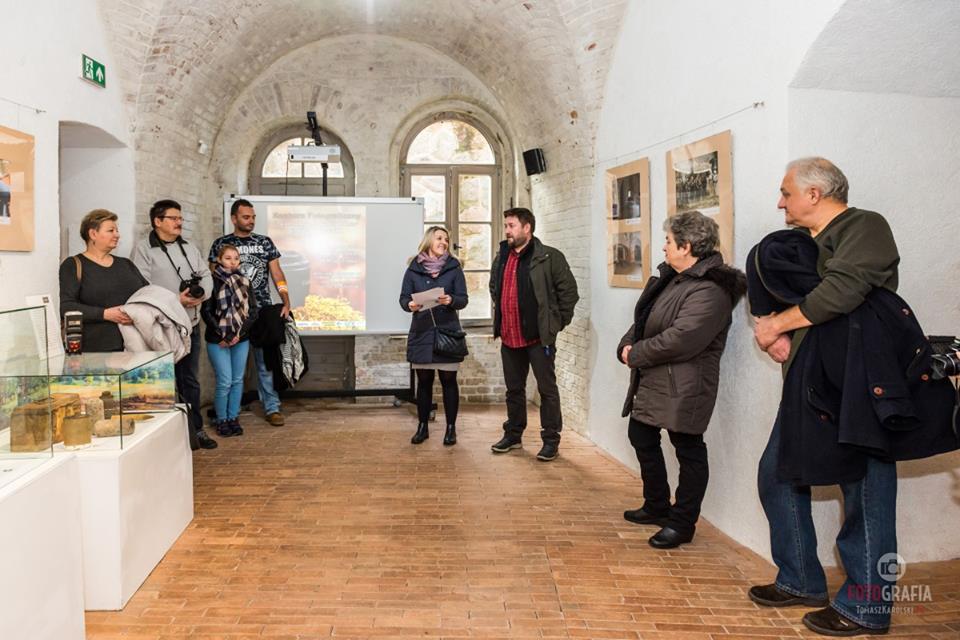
{"x":434,"y":267}
{"x":673,"y":350}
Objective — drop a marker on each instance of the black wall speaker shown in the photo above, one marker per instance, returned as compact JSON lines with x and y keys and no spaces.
{"x":534,"y":162}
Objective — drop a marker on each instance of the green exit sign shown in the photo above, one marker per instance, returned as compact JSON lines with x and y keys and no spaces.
{"x":93,"y":71}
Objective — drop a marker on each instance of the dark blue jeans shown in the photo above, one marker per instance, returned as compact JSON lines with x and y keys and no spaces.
{"x":868,"y":534}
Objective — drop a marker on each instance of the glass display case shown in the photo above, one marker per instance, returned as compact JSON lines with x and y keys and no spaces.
{"x":70,"y":402}
{"x":116,"y":392}
{"x":29,"y":415}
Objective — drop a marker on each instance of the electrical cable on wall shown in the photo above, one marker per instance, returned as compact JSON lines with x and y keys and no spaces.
{"x":615,"y":160}
{"x":25,"y":106}
{"x":20,"y":106}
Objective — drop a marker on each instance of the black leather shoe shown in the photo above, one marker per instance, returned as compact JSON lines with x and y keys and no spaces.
{"x":205,"y":441}
{"x":450,"y":437}
{"x":548,"y":452}
{"x":827,"y":622}
{"x":668,"y":538}
{"x":770,"y":595}
{"x":505,"y":444}
{"x":642,"y":516}
{"x":422,"y":434}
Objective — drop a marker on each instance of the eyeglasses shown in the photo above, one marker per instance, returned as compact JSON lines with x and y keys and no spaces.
{"x":174,"y":218}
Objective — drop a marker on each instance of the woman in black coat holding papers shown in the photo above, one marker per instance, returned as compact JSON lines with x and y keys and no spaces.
{"x":434,"y":267}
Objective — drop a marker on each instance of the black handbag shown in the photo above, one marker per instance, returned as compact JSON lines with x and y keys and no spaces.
{"x":448,"y":343}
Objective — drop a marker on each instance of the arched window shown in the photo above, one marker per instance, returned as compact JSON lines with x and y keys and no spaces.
{"x":448,"y":160}
{"x":272,"y":173}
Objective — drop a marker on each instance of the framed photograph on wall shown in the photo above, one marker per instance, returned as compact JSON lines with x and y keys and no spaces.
{"x":628,"y":224}
{"x":700,"y":178}
{"x":16,"y":190}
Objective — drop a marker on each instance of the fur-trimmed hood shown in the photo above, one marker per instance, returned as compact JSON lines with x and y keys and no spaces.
{"x":711,"y":267}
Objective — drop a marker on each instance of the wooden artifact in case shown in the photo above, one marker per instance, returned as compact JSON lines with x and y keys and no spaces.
{"x":35,"y":425}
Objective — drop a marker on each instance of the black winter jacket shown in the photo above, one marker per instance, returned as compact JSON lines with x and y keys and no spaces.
{"x":421,"y":336}
{"x":859,"y":385}
{"x":211,"y":318}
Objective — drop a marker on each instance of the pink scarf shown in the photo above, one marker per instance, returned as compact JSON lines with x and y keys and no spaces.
{"x":431,"y":264}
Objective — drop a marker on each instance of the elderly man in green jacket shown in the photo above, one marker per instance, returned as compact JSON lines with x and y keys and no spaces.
{"x":534,"y":294}
{"x":857,"y":253}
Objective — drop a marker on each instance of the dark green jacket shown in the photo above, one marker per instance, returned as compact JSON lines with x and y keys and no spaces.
{"x":553,"y":286}
{"x":857,"y":254}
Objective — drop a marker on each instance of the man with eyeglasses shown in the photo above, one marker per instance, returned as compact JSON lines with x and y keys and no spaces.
{"x":167,"y":260}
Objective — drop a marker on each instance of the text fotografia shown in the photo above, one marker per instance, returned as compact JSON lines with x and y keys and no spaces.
{"x":891,"y":598}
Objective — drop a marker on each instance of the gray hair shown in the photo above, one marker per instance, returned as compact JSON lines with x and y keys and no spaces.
{"x":822,"y":174}
{"x":701,"y":232}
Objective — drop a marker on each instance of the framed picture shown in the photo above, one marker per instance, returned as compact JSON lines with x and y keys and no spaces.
{"x":700,"y":178}
{"x":16,"y":190}
{"x":628,"y":224}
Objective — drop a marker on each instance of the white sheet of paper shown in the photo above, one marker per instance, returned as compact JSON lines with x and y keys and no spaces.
{"x":54,"y":345}
{"x":428,"y":299}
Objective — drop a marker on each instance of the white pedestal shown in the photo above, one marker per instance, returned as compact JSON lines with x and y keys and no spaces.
{"x":135,"y":504}
{"x":41,"y":581}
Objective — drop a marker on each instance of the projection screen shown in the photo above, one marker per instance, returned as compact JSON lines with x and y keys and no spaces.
{"x":344,"y":258}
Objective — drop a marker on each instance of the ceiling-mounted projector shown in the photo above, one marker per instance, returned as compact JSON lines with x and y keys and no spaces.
{"x":314,"y":153}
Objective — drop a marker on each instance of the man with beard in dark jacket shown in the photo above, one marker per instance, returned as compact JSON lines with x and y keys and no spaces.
{"x":534,"y":294}
{"x":857,"y":254}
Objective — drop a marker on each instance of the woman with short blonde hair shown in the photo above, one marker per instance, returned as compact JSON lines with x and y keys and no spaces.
{"x":98,"y":283}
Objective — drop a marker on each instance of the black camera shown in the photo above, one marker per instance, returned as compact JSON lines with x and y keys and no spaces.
{"x":192,"y":286}
{"x":946,"y":361}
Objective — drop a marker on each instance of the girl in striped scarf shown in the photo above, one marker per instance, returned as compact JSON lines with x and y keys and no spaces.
{"x":228,"y":314}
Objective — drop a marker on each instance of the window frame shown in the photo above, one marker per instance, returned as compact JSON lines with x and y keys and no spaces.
{"x":305,"y":186}
{"x":451,"y":174}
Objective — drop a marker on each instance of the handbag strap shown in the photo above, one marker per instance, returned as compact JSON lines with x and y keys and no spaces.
{"x":434,"y":319}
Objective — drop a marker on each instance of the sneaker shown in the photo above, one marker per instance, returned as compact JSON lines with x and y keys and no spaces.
{"x":224,"y":429}
{"x":770,"y":595}
{"x":505,"y":444}
{"x":275,"y":419}
{"x":205,"y":441}
{"x":235,"y":426}
{"x":549,"y":451}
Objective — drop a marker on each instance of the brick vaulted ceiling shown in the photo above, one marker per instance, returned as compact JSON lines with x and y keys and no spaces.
{"x":186,"y":65}
{"x":181,"y":60}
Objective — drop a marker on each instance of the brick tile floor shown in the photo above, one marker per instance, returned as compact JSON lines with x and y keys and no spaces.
{"x":334,"y":526}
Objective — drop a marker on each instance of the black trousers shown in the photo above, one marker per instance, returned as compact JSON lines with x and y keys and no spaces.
{"x":516,"y":364}
{"x":186,"y":374}
{"x":691,"y":453}
{"x":451,"y":394}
